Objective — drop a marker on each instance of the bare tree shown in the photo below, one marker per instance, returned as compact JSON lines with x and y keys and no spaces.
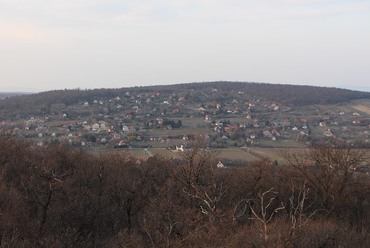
{"x":266,"y":211}
{"x":209,"y":195}
{"x":201,"y":181}
{"x":327,"y":170}
{"x":299,"y":211}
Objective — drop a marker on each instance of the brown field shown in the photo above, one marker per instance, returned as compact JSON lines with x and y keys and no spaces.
{"x":235,"y":154}
{"x":225,"y":153}
{"x":240,"y":154}
{"x":362,"y":106}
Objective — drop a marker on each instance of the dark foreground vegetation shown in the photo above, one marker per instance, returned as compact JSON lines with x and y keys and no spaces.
{"x":61,"y":197}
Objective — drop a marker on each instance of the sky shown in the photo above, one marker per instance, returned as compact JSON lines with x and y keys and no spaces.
{"x":58,"y":44}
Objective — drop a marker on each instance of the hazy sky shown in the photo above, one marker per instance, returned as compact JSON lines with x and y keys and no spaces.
{"x":54,"y":44}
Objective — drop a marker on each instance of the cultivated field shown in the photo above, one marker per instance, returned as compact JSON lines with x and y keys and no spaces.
{"x":238,"y":154}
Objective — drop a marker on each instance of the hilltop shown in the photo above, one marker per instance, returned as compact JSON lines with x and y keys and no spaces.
{"x":36,"y":104}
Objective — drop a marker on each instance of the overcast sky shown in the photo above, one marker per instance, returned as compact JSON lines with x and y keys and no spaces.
{"x":57,"y":44}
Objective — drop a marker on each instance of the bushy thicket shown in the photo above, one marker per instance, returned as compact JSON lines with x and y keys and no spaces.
{"x":62,"y":197}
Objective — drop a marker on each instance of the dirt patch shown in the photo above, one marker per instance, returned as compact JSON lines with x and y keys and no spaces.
{"x":362,"y":108}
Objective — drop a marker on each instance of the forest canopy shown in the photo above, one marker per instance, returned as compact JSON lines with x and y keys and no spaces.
{"x":57,"y":196}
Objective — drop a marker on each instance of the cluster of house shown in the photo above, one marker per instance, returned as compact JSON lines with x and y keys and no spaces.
{"x":123,"y":119}
{"x":266,"y":125}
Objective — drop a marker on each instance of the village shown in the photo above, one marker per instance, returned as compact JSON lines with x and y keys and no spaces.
{"x":170,"y":120}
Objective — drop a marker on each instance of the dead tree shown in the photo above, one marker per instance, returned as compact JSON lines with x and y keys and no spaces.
{"x":266,"y":211}
{"x":299,"y":211}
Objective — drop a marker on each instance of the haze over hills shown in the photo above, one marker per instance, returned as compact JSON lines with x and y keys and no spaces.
{"x":20,"y":90}
{"x":4,"y":95}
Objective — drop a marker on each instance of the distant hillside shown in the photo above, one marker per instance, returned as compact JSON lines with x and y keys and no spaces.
{"x":4,"y":95}
{"x":35,"y":104}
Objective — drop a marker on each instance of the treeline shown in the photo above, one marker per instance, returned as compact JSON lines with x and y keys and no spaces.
{"x":5,"y":95}
{"x":62,"y":197}
{"x":37,"y":104}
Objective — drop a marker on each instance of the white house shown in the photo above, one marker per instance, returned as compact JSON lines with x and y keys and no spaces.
{"x":220,"y":165}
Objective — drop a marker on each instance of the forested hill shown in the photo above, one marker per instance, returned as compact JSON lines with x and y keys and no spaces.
{"x":285,"y":94}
